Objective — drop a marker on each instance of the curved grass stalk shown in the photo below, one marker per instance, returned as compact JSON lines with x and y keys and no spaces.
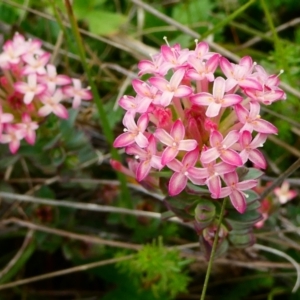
{"x":277,"y":42}
{"x":287,"y":257}
{"x":125,"y":197}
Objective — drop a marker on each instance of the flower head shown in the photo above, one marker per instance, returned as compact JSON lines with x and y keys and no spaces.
{"x":30,"y":90}
{"x":284,"y":193}
{"x":197,"y":127}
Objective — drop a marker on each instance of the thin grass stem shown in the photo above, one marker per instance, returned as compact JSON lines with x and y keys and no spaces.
{"x":227,"y":20}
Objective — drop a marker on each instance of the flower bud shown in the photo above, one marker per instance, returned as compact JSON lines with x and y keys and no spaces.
{"x":205,"y":213}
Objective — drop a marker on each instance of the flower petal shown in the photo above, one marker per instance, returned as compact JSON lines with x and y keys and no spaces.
{"x":168,"y":155}
{"x":202,"y":99}
{"x":183,"y":91}
{"x":257,"y":158}
{"x":238,"y":201}
{"x":246,"y":184}
{"x":231,"y":157}
{"x":177,"y":131}
{"x":123,"y":140}
{"x":209,"y":155}
{"x":177,"y":78}
{"x":141,"y":140}
{"x":264,"y":126}
{"x":213,"y":109}
{"x":219,"y":88}
{"x":177,"y":183}
{"x":214,"y":185}
{"x":190,"y":159}
{"x":175,"y":165}
{"x":164,"y":137}
{"x":187,"y":145}
{"x":143,"y":170}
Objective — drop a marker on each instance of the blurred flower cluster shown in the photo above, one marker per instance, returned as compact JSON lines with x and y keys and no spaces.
{"x":198,"y":125}
{"x":30,"y":90}
{"x":273,"y":202}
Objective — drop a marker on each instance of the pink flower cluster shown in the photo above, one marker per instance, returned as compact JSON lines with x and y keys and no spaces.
{"x":198,"y":125}
{"x":31,"y":89}
{"x":270,"y":204}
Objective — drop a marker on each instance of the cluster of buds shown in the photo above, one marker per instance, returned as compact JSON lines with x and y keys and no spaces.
{"x":31,"y":89}
{"x":198,"y":126}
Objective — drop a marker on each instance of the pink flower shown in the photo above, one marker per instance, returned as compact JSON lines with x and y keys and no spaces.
{"x":35,"y":64}
{"x":239,"y":74}
{"x":249,"y":150}
{"x":134,"y":105}
{"x":284,"y":194}
{"x":202,"y":69}
{"x":171,"y":89}
{"x":77,"y":92}
{"x":147,"y":157}
{"x":12,"y":54}
{"x":174,"y":141}
{"x":157,"y":66}
{"x":234,"y":190}
{"x":265,"y":97}
{"x":51,"y":79}
{"x":174,"y":56}
{"x":185,"y":113}
{"x":211,"y":173}
{"x":14,"y":134}
{"x":30,"y":89}
{"x":221,"y":148}
{"x":252,"y":120}
{"x":183,"y":171}
{"x":201,"y":51}
{"x":52,"y":105}
{"x":133,"y":132}
{"x":217,"y":100}
{"x":29,"y":128}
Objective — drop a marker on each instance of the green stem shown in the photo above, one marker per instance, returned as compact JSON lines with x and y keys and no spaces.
{"x":277,"y":43}
{"x":59,"y":21}
{"x":227,"y":19}
{"x":125,"y":197}
{"x":213,"y":251}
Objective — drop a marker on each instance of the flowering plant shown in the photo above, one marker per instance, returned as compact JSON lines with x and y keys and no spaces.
{"x":30,"y":90}
{"x":199,"y":125}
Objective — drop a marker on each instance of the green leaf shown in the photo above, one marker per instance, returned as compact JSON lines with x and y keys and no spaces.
{"x":8,"y":161}
{"x":241,"y":240}
{"x":83,"y":7}
{"x":243,"y":221}
{"x":255,"y":205}
{"x":45,"y":192}
{"x":252,"y":173}
{"x":167,"y":214}
{"x":189,"y":12}
{"x":104,"y":22}
{"x":114,"y":116}
{"x":251,"y":196}
{"x":9,"y":14}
